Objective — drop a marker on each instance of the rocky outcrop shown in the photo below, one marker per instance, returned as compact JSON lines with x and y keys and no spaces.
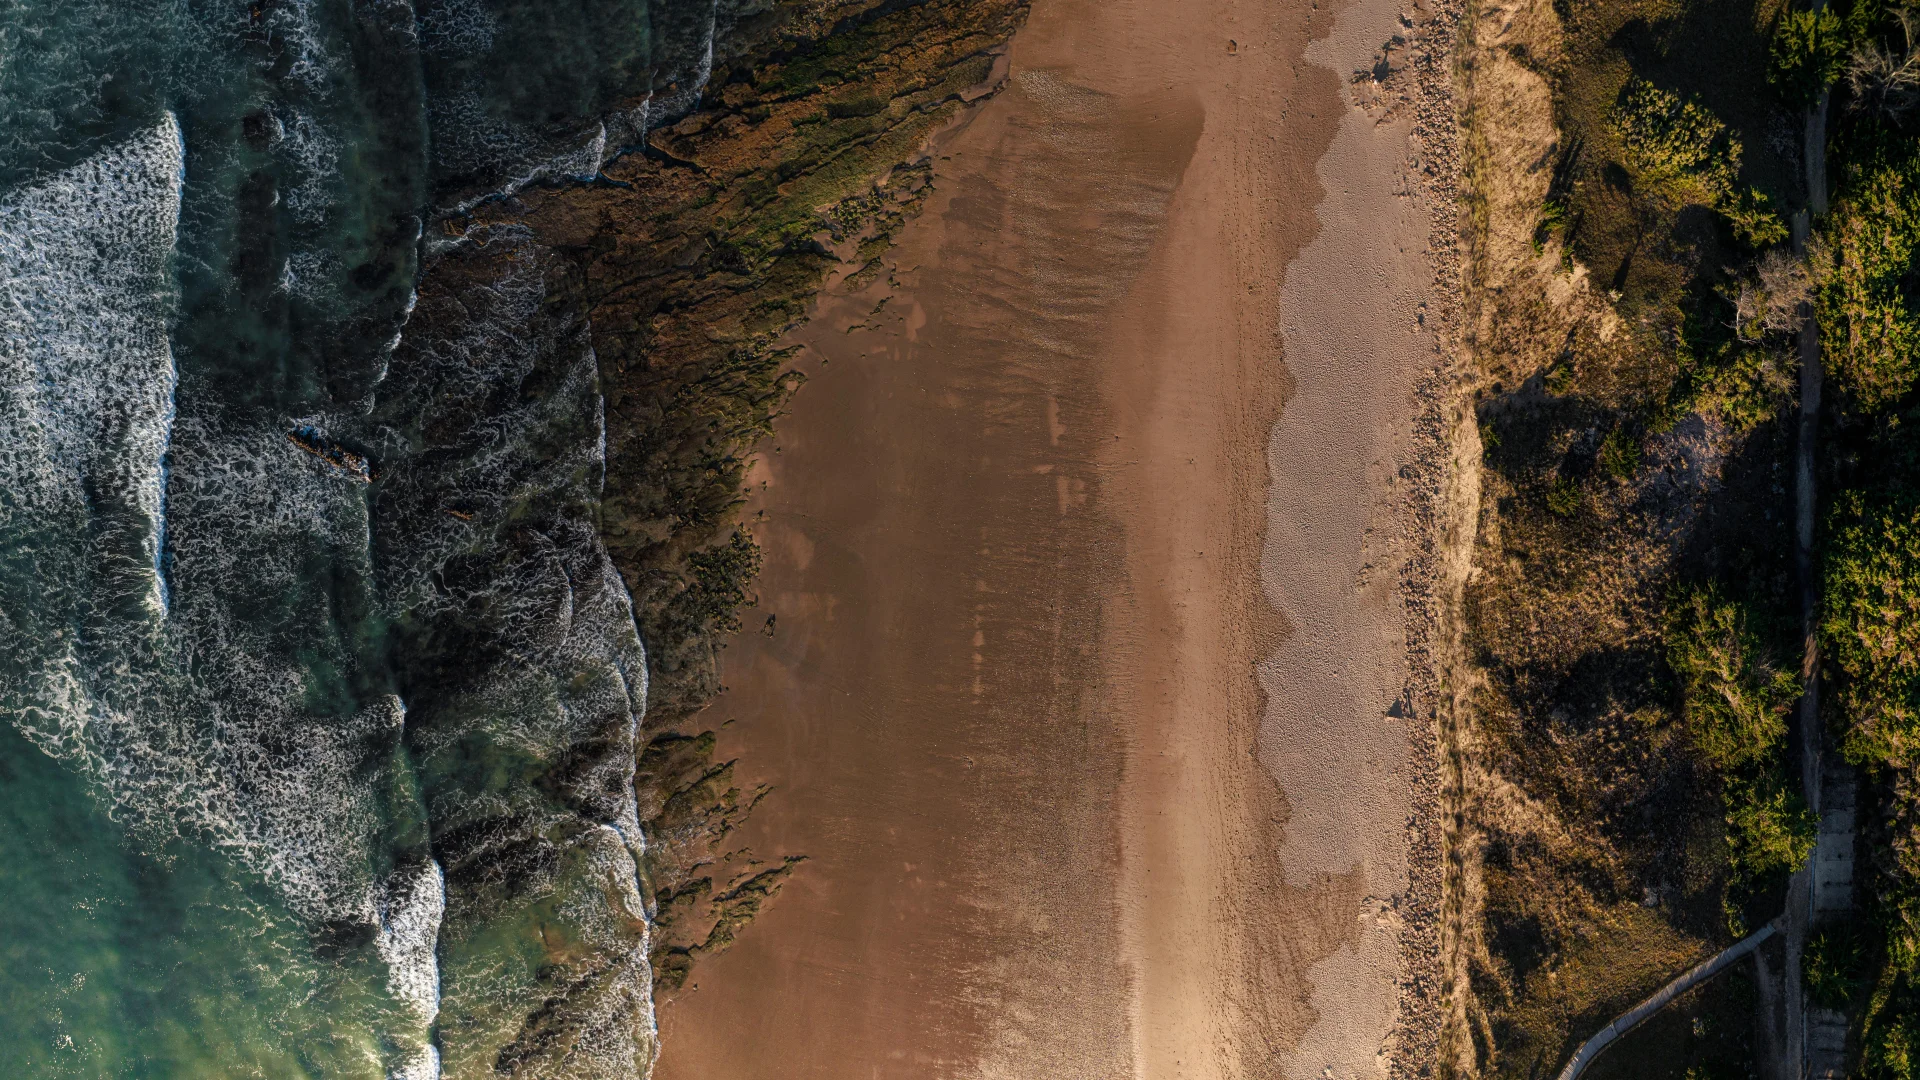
{"x":688,"y":260}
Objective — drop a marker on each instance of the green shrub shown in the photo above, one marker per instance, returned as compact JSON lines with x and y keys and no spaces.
{"x":1735,"y":703}
{"x":1833,"y":964}
{"x":1754,"y":219}
{"x":1744,"y":385}
{"x":1866,"y":301}
{"x":1898,"y":921}
{"x":1553,"y":218}
{"x":1871,"y":627}
{"x":1561,"y":380}
{"x":1678,"y":145}
{"x":1734,"y":706}
{"x":1563,"y":498}
{"x":1620,"y":454}
{"x":1673,"y":140}
{"x":1770,"y":829}
{"x":1807,"y":55}
{"x":1890,"y":1025}
{"x":1893,"y":1049}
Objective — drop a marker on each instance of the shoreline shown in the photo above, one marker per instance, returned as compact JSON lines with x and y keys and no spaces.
{"x":1074,"y":359}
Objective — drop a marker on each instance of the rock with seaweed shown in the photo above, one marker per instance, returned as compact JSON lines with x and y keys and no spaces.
{"x":687,"y":260}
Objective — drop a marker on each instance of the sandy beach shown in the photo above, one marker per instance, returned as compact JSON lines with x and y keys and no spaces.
{"x":1077,"y":667}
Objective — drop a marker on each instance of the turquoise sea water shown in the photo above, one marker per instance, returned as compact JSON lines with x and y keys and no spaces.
{"x":278,"y":729}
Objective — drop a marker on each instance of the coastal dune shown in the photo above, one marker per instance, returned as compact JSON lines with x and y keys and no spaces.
{"x":1074,"y":667}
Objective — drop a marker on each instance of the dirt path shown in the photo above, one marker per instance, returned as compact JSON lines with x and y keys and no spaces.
{"x":1024,"y":665}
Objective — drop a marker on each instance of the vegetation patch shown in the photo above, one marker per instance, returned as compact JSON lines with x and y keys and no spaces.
{"x":1676,"y":144}
{"x":1632,"y":309}
{"x":1735,"y":706}
{"x":1872,"y":627}
{"x":1870,"y":288}
{"x":1808,"y":55}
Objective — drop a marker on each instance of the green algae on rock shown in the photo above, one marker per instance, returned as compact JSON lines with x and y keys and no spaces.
{"x":689,"y":262}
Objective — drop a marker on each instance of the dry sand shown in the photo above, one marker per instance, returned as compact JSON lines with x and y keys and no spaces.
{"x":1355,"y":313}
{"x":1079,"y":697}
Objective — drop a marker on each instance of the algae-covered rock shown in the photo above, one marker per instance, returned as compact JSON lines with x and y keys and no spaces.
{"x":575,"y":859}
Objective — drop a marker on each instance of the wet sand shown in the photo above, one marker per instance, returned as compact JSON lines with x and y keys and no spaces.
{"x":1076,"y":698}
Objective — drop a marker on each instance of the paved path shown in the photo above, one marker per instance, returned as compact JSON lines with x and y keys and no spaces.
{"x":1637,"y":1015}
{"x":1817,"y":1036}
{"x":1832,"y":899}
{"x":1826,"y":1044}
{"x":1803,"y":894}
{"x":1833,"y":850}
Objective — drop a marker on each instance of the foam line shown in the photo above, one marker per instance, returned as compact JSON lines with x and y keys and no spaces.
{"x":173,"y":392}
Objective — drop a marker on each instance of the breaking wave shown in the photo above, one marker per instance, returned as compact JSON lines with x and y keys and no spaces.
{"x":215,"y":626}
{"x":205,"y":717}
{"x":87,"y":378}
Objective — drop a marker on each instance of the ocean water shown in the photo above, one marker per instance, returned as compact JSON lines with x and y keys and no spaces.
{"x":319,"y":692}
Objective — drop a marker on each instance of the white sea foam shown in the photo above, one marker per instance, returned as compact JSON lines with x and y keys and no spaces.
{"x":458,"y":28}
{"x":560,"y":606}
{"x":314,"y":276}
{"x":299,"y":33}
{"x":410,"y":905}
{"x":581,"y":163}
{"x":173,"y":386}
{"x":420,"y":1064}
{"x":316,"y":153}
{"x":218,"y":707}
{"x":622,"y":1031}
{"x":188,"y":714}
{"x":684,"y":93}
{"x":86,"y":372}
